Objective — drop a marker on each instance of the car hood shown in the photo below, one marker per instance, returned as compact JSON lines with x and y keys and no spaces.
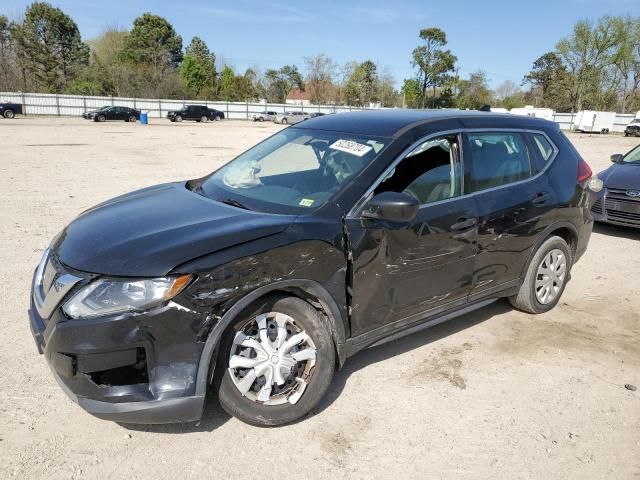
{"x":622,"y":177}
{"x":149,"y":232}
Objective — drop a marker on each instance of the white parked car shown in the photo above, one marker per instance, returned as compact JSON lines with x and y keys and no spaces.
{"x":289,"y":118}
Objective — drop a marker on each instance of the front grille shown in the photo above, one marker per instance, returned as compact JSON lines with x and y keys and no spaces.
{"x":621,"y":207}
{"x":597,"y":207}
{"x":50,"y":284}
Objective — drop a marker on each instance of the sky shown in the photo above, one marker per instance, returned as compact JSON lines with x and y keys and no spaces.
{"x":501,"y":37}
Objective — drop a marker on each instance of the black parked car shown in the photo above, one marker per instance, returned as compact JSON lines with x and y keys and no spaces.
{"x":328,"y":237}
{"x":112,"y":113}
{"x":619,"y":200}
{"x":10,"y":110}
{"x":199,"y":113}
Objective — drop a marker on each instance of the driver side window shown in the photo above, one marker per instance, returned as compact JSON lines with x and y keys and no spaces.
{"x":430,"y":173}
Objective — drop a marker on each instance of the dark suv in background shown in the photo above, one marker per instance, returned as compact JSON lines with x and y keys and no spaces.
{"x":199,"y":113}
{"x":330,"y":236}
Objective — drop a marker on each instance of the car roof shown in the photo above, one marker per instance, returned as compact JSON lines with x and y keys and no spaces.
{"x":393,"y":123}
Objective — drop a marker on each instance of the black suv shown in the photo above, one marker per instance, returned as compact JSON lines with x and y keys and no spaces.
{"x":326,"y":238}
{"x":199,"y":113}
{"x":112,"y":113}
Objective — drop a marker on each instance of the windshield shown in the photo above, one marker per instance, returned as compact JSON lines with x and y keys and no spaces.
{"x":104,"y":108}
{"x":294,"y":171}
{"x":633,"y":156}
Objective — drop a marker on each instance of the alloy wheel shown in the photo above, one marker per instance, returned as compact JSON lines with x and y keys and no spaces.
{"x":271,"y":359}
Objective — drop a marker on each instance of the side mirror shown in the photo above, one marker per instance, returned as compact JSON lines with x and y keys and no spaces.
{"x":392,"y":206}
{"x":617,"y":158}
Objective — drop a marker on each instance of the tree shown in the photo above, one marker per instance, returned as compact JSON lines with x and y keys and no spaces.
{"x":434,"y":63}
{"x":50,"y":46}
{"x":198,"y":68}
{"x":282,"y":81}
{"x":587,"y":54}
{"x":321,"y":72}
{"x":475,"y":92}
{"x":360,"y":88}
{"x":10,"y":70}
{"x":626,"y":58}
{"x":551,"y":82}
{"x":155,"y":48}
{"x":227,"y":84}
{"x":411,"y":93}
{"x":386,"y":91}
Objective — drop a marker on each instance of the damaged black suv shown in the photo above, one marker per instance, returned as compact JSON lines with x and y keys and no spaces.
{"x":256,"y":282}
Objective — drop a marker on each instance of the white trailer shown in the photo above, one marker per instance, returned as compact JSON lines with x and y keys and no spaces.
{"x":531,"y":111}
{"x":591,"y":121}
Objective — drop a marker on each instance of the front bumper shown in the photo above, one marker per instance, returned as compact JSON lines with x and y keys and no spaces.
{"x":612,"y":207}
{"x":134,"y":368}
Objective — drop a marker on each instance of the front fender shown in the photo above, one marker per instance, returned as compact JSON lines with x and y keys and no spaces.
{"x":335,"y":318}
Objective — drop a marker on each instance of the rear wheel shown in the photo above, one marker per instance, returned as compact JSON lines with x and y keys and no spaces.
{"x":284,"y":121}
{"x":277,"y":362}
{"x":546,"y":277}
{"x":9,"y":113}
{"x":204,"y":119}
{"x":132,"y":119}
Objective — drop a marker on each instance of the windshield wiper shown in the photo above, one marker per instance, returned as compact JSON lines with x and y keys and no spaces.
{"x":234,"y":203}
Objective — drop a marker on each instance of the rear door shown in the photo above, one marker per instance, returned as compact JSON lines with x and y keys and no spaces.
{"x":402,"y":272}
{"x":515,"y":204}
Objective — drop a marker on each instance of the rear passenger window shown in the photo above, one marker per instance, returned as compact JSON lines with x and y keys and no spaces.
{"x":498,"y":159}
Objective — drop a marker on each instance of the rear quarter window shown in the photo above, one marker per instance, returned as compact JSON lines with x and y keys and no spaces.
{"x":543,"y":150}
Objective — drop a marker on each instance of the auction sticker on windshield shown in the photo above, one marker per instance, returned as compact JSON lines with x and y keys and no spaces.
{"x":354,"y":148}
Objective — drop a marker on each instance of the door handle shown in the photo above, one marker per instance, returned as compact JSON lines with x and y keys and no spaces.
{"x":540,"y":198}
{"x":464,"y":223}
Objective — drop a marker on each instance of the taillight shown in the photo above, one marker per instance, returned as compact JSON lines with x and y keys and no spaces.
{"x":584,"y":171}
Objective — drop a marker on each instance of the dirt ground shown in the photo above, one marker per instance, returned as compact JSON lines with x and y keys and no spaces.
{"x":493,"y":394}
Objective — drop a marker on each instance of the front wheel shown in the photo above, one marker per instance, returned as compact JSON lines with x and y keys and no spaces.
{"x":101,"y":118}
{"x":546,"y":277}
{"x":277,"y":362}
{"x":178,"y":118}
{"x":284,"y":121}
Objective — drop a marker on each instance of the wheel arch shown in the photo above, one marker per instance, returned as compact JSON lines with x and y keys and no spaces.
{"x":308,"y":290}
{"x":563,"y":229}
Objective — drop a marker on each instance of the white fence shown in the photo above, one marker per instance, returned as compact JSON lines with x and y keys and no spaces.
{"x":75,"y":105}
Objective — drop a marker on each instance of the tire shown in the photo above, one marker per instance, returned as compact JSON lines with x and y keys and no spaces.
{"x":320,"y":370}
{"x":178,"y":118}
{"x":101,"y":118}
{"x":284,"y":121}
{"x":528,"y":298}
{"x":261,"y":119}
{"x":204,"y":119}
{"x":132,"y":119}
{"x":9,"y":114}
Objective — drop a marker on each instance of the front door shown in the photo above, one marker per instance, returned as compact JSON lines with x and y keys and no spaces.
{"x":401,"y":272}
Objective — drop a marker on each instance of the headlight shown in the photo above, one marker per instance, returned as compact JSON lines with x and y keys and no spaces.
{"x":108,"y":297}
{"x":595,"y":184}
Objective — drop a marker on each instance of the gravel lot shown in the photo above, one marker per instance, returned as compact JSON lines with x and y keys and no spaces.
{"x":494,"y":394}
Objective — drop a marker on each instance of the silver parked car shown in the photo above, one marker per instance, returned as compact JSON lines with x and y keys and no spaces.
{"x":264,"y":116}
{"x":289,"y":118}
